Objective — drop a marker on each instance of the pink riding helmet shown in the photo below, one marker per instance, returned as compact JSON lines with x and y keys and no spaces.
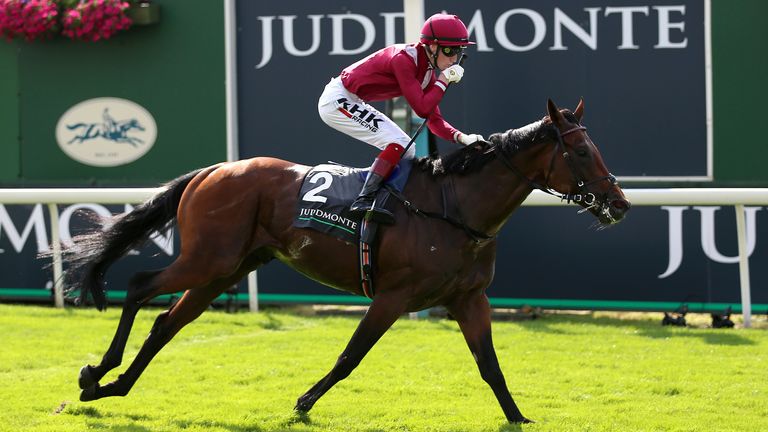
{"x":445,"y":30}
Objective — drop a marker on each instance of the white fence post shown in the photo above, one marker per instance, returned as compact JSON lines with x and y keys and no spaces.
{"x":253,"y":292}
{"x":746,"y":300}
{"x":58,"y":274}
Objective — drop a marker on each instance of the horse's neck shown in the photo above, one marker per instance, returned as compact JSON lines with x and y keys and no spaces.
{"x":488,"y":198}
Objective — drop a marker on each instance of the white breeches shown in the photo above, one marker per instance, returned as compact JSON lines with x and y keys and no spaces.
{"x":347,"y":113}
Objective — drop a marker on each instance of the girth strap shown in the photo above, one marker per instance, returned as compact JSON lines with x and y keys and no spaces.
{"x":367,"y":238}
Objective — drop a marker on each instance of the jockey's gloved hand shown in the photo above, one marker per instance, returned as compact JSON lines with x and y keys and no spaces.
{"x":453,"y":74}
{"x":469,"y":139}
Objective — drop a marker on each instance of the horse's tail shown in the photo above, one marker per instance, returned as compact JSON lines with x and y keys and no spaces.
{"x":96,"y":251}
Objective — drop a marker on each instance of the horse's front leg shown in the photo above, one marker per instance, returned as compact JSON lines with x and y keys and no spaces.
{"x":382,"y":313}
{"x":474,"y":318}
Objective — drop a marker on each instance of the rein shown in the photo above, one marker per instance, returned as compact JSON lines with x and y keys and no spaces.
{"x":583,"y":195}
{"x":474,"y":234}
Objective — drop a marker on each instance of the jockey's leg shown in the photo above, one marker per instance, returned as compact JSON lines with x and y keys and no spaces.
{"x":382,"y":167}
{"x":347,"y":113}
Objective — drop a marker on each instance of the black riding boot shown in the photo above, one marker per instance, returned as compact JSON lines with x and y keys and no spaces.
{"x":365,"y":201}
{"x":380,"y":170}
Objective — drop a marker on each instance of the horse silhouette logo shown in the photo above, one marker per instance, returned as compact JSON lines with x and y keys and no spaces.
{"x":109,"y":129}
{"x":106,"y":131}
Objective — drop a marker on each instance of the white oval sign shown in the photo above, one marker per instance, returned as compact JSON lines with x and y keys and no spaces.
{"x":106,"y":132}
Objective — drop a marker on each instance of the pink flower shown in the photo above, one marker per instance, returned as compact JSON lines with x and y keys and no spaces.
{"x":89,"y":20}
{"x":30,"y":19}
{"x":96,"y":19}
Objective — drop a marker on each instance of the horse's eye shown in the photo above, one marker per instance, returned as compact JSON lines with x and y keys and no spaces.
{"x":581,"y":152}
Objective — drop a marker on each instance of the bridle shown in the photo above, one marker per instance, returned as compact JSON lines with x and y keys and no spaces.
{"x":582,"y":195}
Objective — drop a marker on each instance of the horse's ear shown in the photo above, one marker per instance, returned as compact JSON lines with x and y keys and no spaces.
{"x":579,"y":113}
{"x":554,"y":114}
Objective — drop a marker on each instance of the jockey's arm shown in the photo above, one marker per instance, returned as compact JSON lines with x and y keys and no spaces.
{"x":437,"y":124}
{"x":423,"y":101}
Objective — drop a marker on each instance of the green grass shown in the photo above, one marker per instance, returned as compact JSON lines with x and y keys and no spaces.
{"x":243,"y":372}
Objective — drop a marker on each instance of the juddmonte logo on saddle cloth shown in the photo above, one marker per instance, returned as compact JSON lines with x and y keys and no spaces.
{"x":338,"y":221}
{"x":106,"y":132}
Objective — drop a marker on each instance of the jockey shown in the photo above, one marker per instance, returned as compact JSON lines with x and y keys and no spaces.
{"x":421,"y":72}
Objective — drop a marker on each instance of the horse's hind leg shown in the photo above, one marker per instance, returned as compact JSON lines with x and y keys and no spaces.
{"x":202,"y":286}
{"x":190,"y":306}
{"x":139,"y":292}
{"x":474,"y":318}
{"x":380,"y":317}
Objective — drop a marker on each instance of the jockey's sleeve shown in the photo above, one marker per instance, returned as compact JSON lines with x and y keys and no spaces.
{"x":422,"y":101}
{"x":440,"y":127}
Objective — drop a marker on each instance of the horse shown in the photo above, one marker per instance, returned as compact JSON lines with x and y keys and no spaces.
{"x":112,"y":131}
{"x":235,"y":217}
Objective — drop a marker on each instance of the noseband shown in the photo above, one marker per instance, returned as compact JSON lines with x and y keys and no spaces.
{"x":583,"y":195}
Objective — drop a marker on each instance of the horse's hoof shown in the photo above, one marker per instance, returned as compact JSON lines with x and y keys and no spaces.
{"x":300,"y":417}
{"x":89,"y":393}
{"x":85,"y":379}
{"x":303,"y":405}
{"x":520,"y":420}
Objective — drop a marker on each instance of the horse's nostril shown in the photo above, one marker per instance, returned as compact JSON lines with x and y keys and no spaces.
{"x":620,"y":204}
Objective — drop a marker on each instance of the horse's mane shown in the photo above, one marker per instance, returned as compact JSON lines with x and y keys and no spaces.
{"x":471,"y":158}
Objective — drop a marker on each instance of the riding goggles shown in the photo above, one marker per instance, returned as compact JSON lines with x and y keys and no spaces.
{"x":450,"y":51}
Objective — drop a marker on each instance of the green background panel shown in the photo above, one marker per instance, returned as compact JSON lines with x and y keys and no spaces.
{"x":740,"y":92}
{"x":175,"y":69}
{"x":9,"y":113}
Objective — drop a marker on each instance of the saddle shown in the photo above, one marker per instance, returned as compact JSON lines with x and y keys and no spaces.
{"x":324,"y":199}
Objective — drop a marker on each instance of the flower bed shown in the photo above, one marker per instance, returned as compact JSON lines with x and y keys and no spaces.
{"x":87,"y":20}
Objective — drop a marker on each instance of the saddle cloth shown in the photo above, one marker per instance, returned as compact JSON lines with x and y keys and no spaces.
{"x":329,"y":189}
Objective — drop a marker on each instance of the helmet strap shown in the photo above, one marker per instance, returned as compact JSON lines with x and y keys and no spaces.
{"x":434,"y":38}
{"x":433,"y":55}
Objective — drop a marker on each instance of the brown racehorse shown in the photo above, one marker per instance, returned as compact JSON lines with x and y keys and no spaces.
{"x":234,"y":217}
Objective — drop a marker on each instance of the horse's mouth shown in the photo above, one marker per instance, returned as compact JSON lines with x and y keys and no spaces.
{"x":607,"y":212}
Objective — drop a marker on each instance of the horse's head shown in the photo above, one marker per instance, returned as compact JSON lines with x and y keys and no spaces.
{"x":131,"y":124}
{"x":576,"y":169}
